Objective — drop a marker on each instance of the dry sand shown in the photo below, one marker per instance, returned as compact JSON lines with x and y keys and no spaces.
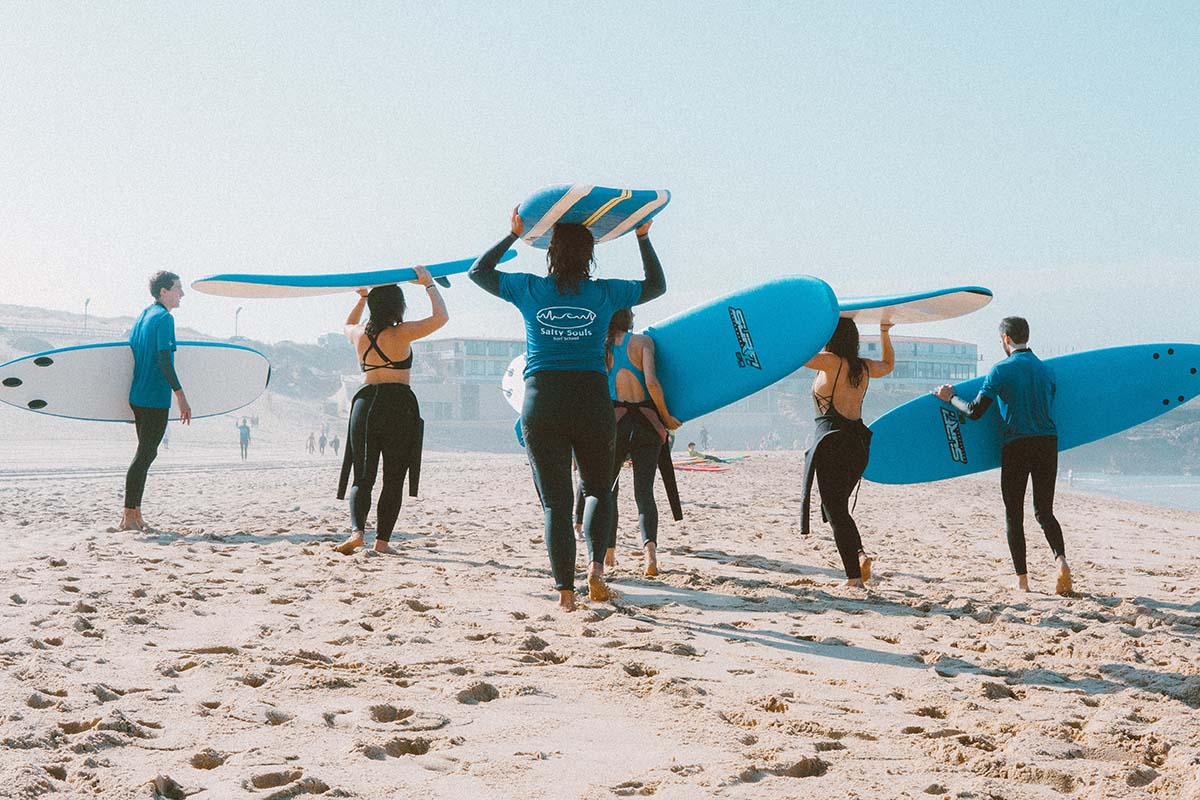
{"x":234,"y":655}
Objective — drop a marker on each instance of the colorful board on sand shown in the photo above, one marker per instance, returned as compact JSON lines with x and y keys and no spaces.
{"x":233,"y":284}
{"x":729,"y":348}
{"x":916,"y":306}
{"x":92,"y":381}
{"x":607,"y":213}
{"x":1099,"y":393}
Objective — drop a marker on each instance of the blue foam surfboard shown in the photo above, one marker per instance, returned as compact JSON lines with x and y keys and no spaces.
{"x":92,"y":381}
{"x":915,"y":307}
{"x":729,"y":348}
{"x":607,"y":213}
{"x":234,"y":284}
{"x":1099,"y":393}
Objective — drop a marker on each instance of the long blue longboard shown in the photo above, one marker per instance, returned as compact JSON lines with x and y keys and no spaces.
{"x":92,"y":381}
{"x":915,"y":307}
{"x":729,"y":348}
{"x":234,"y":284}
{"x":607,"y":213}
{"x":1099,"y":393}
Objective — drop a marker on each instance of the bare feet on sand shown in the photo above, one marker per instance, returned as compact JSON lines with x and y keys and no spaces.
{"x":864,"y":566}
{"x":566,"y":599}
{"x":350,"y":545}
{"x":1023,"y":583}
{"x":131,"y":520}
{"x":857,"y":583}
{"x":610,"y":557}
{"x":597,"y":588}
{"x":1063,"y":584}
{"x":579,"y":531}
{"x":650,"y":559}
{"x":385,"y":549}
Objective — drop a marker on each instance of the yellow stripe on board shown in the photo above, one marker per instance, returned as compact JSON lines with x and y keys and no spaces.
{"x":604,"y":209}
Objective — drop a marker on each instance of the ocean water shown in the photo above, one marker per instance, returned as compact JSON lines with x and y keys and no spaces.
{"x":1167,"y":491}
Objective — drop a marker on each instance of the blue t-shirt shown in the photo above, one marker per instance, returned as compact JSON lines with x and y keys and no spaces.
{"x":1023,"y":388}
{"x":153,"y":332}
{"x":566,"y":331}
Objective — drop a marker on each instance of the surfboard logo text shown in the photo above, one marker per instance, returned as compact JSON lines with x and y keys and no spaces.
{"x":954,"y":438}
{"x":566,"y":317}
{"x":747,"y":357}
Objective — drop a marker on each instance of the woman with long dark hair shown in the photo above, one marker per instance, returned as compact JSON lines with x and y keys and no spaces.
{"x":843,"y":444}
{"x":642,"y":424}
{"x":385,"y":420}
{"x":567,"y":406}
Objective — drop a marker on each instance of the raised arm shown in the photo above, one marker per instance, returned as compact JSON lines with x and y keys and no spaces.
{"x":974,"y":409}
{"x":418,"y":329}
{"x":351,"y":326}
{"x":884,"y":366}
{"x":483,"y":272}
{"x":654,"y":387}
{"x":655,"y":283}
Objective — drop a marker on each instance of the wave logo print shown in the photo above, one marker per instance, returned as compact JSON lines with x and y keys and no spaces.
{"x":566,"y":317}
{"x":954,"y":437}
{"x":747,"y":357}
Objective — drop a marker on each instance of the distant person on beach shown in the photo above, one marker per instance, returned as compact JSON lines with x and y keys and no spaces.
{"x":335,"y":443}
{"x":1023,"y":387}
{"x":321,"y":443}
{"x":567,"y":405}
{"x":642,"y":424}
{"x":243,"y":429}
{"x":385,"y":420}
{"x":703,"y":438}
{"x":694,"y":453}
{"x":152,"y":340}
{"x":311,"y":445}
{"x":842,"y":446}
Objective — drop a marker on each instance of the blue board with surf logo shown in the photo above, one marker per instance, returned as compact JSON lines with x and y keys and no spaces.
{"x":264,"y":285}
{"x":729,"y":348}
{"x":607,"y":213}
{"x":1098,"y":393}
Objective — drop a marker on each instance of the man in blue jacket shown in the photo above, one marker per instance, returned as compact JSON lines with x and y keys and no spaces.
{"x":1023,"y":388}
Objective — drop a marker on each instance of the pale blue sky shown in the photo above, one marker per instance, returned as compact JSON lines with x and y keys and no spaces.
{"x":1048,"y":151}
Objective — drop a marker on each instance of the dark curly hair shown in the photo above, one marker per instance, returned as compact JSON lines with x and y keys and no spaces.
{"x":844,"y":343}
{"x":161,"y":280}
{"x":570,"y":257}
{"x":386,"y":304}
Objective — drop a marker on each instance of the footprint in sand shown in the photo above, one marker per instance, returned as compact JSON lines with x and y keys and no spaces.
{"x":478,"y":693}
{"x":208,"y":759}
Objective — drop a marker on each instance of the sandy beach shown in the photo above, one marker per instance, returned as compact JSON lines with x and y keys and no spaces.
{"x":233,"y":654}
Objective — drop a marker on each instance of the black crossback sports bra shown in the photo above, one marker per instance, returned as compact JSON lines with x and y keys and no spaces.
{"x":824,"y":403}
{"x":388,"y":363}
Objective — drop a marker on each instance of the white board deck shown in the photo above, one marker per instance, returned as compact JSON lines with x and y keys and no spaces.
{"x":915,"y":307}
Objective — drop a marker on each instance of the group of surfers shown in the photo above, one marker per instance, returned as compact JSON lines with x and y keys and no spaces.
{"x":592,"y":397}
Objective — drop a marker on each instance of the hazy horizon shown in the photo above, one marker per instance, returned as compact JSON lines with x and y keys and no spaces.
{"x":1046,"y":152}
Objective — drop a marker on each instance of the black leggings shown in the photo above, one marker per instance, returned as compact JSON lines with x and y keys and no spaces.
{"x":1036,"y":457}
{"x":151,"y":424}
{"x":840,"y":461}
{"x":637,"y":438}
{"x":569,"y":410}
{"x":384,"y":419}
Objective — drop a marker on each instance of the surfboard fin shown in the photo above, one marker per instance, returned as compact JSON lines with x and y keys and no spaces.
{"x":443,"y":282}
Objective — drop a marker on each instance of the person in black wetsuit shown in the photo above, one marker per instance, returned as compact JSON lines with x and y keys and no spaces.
{"x":1023,"y":387}
{"x":843,"y":443}
{"x":152,"y":340}
{"x":642,"y":424}
{"x":385,"y":420}
{"x":567,"y":406}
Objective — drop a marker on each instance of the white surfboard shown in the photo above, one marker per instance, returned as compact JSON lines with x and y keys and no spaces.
{"x":914,"y":307}
{"x":92,"y":381}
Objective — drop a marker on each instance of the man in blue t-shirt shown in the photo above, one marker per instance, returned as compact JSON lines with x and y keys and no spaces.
{"x":1023,"y":388}
{"x":152,"y":341}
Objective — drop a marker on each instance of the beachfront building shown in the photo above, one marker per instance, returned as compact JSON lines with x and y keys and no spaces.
{"x":460,"y":378}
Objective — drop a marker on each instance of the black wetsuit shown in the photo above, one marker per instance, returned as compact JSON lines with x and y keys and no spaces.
{"x":385,"y":423}
{"x":837,"y":459}
{"x":569,"y":409}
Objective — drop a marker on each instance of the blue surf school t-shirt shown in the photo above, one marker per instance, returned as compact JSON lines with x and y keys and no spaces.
{"x":153,"y":332}
{"x":566,"y":331}
{"x":1023,"y":388}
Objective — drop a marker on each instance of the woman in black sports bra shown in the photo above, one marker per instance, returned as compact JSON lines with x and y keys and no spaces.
{"x":839,"y":455}
{"x":385,"y":421}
